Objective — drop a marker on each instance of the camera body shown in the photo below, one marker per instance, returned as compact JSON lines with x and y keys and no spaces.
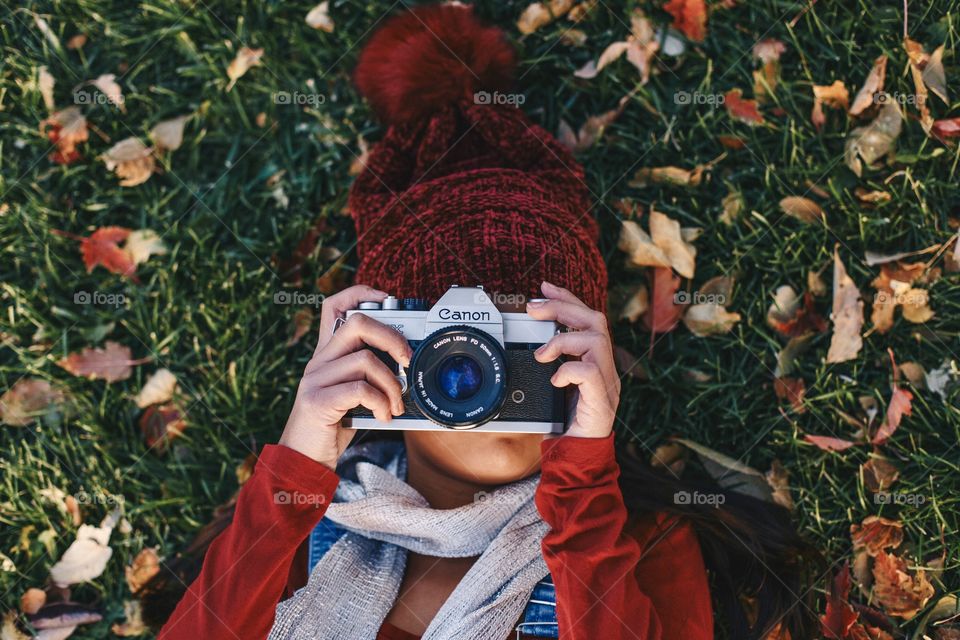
{"x":472,"y":367}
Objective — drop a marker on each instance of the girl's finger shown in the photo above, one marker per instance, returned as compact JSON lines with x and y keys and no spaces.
{"x":588,"y":379}
{"x":358,"y":331}
{"x":338,"y":304}
{"x":551,"y":290}
{"x":349,"y":395}
{"x":359,"y":365}
{"x":589,"y":346}
{"x":575,"y":316}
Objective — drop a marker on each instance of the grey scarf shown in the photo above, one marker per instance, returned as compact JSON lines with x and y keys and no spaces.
{"x":355,"y":584}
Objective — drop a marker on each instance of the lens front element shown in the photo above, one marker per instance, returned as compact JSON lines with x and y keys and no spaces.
{"x":458,"y":377}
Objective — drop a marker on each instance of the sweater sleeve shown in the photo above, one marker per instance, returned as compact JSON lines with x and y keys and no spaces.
{"x":602,"y":564}
{"x":246,"y":568}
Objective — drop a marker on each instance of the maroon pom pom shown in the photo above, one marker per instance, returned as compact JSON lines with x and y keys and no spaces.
{"x":429,"y":57}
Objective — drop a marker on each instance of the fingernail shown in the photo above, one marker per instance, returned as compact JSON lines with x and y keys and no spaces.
{"x":536,"y":304}
{"x":548,"y":285}
{"x":540,"y":350}
{"x":398,"y":408}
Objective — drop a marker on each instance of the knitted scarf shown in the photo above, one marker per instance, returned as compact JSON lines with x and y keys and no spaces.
{"x":355,"y":584}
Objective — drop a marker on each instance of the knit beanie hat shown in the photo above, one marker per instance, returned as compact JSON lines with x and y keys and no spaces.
{"x":464,"y":189}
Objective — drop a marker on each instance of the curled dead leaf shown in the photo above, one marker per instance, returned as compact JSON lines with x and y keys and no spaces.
{"x":900,"y":591}
{"x":834,"y":96}
{"x":878,"y":474}
{"x":871,"y":86}
{"x":709,"y":319}
{"x":869,"y":144}
{"x":319,"y":17}
{"x":66,"y":129}
{"x":847,"y":315}
{"x":29,"y":399}
{"x":159,"y":388}
{"x":168,"y":134}
{"x":803,"y":209}
{"x":132,"y":161}
{"x":876,"y":534}
{"x":245,"y":59}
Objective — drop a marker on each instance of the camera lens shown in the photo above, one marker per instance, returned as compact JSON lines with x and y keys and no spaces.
{"x":458,"y":377}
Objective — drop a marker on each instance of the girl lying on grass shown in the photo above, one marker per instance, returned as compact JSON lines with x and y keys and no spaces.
{"x":476,"y":535}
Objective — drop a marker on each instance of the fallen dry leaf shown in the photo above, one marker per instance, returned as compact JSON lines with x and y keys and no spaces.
{"x":900,"y":592}
{"x":900,"y":405}
{"x":829,"y":443}
{"x":27,"y":400}
{"x":145,"y":565}
{"x":732,"y":207}
{"x":540,"y":14}
{"x":792,"y":390}
{"x":87,"y":556}
{"x":160,"y":424}
{"x":66,"y":129}
{"x":591,"y":130}
{"x":32,"y":600}
{"x":876,"y":534}
{"x":132,"y":624}
{"x":779,"y":480}
{"x":640,"y":47}
{"x":847,"y":315}
{"x":636,"y":305}
{"x":872,"y":197}
{"x":107,"y":85}
{"x":77,"y":42}
{"x":664,"y":313}
{"x":689,"y":17}
{"x":132,"y":161}
{"x":158,"y":389}
{"x":894,"y":289}
{"x":45,"y":83}
{"x":168,"y":134}
{"x":834,"y":96}
{"x":788,"y":317}
{"x":879,"y":474}
{"x":709,"y":319}
{"x":765,"y":80}
{"x":839,"y":616}
{"x":668,"y":175}
{"x":871,"y":86}
{"x":869,"y":144}
{"x":319,"y":17}
{"x":302,"y":321}
{"x":244,"y":60}
{"x":741,"y":109}
{"x":946,"y":129}
{"x":803,"y":209}
{"x":639,"y":246}
{"x":111,"y":363}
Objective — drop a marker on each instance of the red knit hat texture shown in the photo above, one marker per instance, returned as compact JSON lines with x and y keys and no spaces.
{"x":462,"y":190}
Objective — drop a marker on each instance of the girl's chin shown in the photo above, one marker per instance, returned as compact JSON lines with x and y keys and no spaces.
{"x":488,"y":458}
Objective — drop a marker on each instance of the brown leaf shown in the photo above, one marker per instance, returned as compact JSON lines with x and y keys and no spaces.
{"x":302,"y":321}
{"x":829,"y":443}
{"x":111,"y":363}
{"x":27,"y":400}
{"x":871,"y":143}
{"x":847,"y":315}
{"x":636,"y":305}
{"x":793,"y":390}
{"x":159,"y":388}
{"x":168,"y":134}
{"x":709,"y":319}
{"x":32,"y":600}
{"x":875,"y":535}
{"x":244,"y":60}
{"x":66,"y":129}
{"x":160,"y":424}
{"x":663,"y":314}
{"x":132,"y":161}
{"x":689,"y":17}
{"x":779,"y":480}
{"x":902,"y":593}
{"x":319,"y":17}
{"x":834,"y":96}
{"x":839,"y":616}
{"x":803,"y":209}
{"x":745,"y":111}
{"x":879,"y":474}
{"x":789,"y":318}
{"x":668,"y":175}
{"x":872,"y":85}
{"x":540,"y":14}
{"x":145,"y":565}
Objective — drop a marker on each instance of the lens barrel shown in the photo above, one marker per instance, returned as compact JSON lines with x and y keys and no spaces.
{"x":458,"y":377}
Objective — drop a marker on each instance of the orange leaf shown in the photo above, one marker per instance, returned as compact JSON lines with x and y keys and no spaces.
{"x":663,"y":314}
{"x":876,"y":534}
{"x":113,"y":362}
{"x":743,"y":110}
{"x":103,"y":248}
{"x":827,"y":443}
{"x":900,"y":405}
{"x":689,"y":17}
{"x":840,"y":616}
{"x":901,"y":593}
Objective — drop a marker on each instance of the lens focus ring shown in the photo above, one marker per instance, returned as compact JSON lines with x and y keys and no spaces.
{"x":458,"y":377}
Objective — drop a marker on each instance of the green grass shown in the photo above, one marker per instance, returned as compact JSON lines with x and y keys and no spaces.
{"x":206,"y":311}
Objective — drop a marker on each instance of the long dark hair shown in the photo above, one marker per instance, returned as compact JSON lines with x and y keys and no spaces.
{"x":753,"y":553}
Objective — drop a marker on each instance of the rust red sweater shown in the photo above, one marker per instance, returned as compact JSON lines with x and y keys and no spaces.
{"x":616,"y":577}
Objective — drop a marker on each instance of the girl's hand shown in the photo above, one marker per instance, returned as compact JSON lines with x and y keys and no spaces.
{"x":597,"y":391}
{"x":343,"y":374}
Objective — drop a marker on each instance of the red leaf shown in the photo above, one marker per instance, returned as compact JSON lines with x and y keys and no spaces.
{"x":160,"y":424}
{"x":900,"y":405}
{"x":792,"y":390}
{"x":103,"y":248}
{"x":840,"y":616}
{"x":827,"y":443}
{"x":663,"y":314}
{"x":949,"y":128}
{"x":806,"y":319}
{"x":689,"y":17}
{"x":741,"y":109}
{"x":111,"y":363}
